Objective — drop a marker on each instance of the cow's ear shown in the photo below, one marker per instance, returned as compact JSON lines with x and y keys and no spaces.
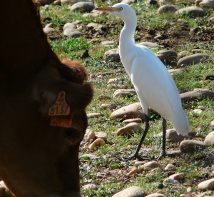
{"x":72,"y":71}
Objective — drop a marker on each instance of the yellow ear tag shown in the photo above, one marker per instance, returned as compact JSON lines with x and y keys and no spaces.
{"x":60,"y":112}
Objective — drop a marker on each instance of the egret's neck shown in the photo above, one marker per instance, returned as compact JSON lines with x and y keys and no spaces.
{"x":127,"y":33}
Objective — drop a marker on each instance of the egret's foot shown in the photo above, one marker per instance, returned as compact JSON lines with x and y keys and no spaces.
{"x":163,"y":154}
{"x":136,"y":156}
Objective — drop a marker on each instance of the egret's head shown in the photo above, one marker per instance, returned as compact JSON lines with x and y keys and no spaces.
{"x":122,"y":10}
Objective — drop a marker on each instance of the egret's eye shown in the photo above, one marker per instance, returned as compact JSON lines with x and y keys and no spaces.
{"x":120,"y":9}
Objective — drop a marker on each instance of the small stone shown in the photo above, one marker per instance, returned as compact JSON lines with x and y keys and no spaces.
{"x":206,"y":185}
{"x":112,"y":55}
{"x":170,"y":167}
{"x":151,"y":165}
{"x":133,"y":191}
{"x":124,"y":92}
{"x":197,"y":111}
{"x":82,"y":7}
{"x":192,"y":11}
{"x":193,"y":59}
{"x":209,"y":139}
{"x":129,"y":129}
{"x":102,"y":135}
{"x":89,"y":186}
{"x":94,"y":115}
{"x":156,"y":195}
{"x":212,"y":124}
{"x":70,"y":25}
{"x":207,"y":3}
{"x":113,"y":80}
{"x":190,"y":145}
{"x":178,"y":176}
{"x":95,"y":26}
{"x":70,"y":32}
{"x":167,"y":56}
{"x":48,"y":28}
{"x":96,"y":143}
{"x":137,"y":120}
{"x":171,"y":181}
{"x":150,"y":45}
{"x":172,"y":136}
{"x":133,"y":110}
{"x":167,"y":8}
{"x":108,"y":43}
{"x":89,"y":135}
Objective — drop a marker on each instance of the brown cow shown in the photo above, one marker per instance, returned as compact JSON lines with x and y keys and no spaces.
{"x":42,"y":108}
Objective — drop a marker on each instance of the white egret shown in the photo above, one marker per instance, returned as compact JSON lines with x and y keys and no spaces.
{"x":152,"y":81}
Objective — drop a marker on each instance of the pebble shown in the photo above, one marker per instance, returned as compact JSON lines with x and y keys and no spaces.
{"x":133,"y":110}
{"x":95,"y":26}
{"x":207,"y":3}
{"x":156,"y":195}
{"x":206,"y":185}
{"x":112,"y":55}
{"x":150,"y":45}
{"x":151,"y":165}
{"x":212,"y":124}
{"x":124,"y":92}
{"x":70,"y":25}
{"x":96,"y":143}
{"x":94,"y":115}
{"x":167,"y":56}
{"x":192,"y":11}
{"x":89,"y":186}
{"x":190,"y":145}
{"x":82,"y":7}
{"x":48,"y":28}
{"x":170,"y":167}
{"x":172,"y":136}
{"x":167,"y":8}
{"x":197,"y":111}
{"x":193,"y":59}
{"x":178,"y":176}
{"x":70,"y":32}
{"x":129,"y":129}
{"x":209,"y":139}
{"x":102,"y":135}
{"x":89,"y":135}
{"x":175,"y":70}
{"x":108,"y":43}
{"x":133,"y":191}
{"x":137,"y":120}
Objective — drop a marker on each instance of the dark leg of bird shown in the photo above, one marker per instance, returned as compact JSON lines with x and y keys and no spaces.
{"x":135,"y":155}
{"x":163,"y":152}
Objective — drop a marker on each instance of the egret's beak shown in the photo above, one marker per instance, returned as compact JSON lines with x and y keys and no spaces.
{"x":107,"y":9}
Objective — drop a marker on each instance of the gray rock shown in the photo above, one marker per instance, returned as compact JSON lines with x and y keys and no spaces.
{"x":95,"y":26}
{"x":170,"y":167}
{"x":133,"y":191}
{"x":206,"y":185}
{"x":191,"y":145}
{"x":167,"y":56}
{"x":94,"y":115}
{"x":150,"y":45}
{"x":82,"y":7}
{"x":130,"y":111}
{"x":192,"y":11}
{"x":212,"y":124}
{"x":124,"y":92}
{"x":172,"y":136}
{"x":129,"y":129}
{"x":193,"y":59}
{"x":207,"y":3}
{"x":156,"y":195}
{"x":209,"y":139}
{"x":167,"y":8}
{"x":70,"y":32}
{"x":112,"y":55}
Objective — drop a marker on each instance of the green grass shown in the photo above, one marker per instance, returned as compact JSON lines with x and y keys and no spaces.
{"x":109,"y":171}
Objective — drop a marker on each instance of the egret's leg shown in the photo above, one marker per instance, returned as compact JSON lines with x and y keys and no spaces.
{"x":163,"y":152}
{"x":135,"y":155}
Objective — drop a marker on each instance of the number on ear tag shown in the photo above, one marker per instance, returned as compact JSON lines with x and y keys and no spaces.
{"x":60,"y":108}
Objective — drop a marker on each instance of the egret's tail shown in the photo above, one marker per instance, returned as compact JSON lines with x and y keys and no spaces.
{"x":181,"y":123}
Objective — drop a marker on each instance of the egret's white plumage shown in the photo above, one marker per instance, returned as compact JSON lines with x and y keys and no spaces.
{"x":152,"y":81}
